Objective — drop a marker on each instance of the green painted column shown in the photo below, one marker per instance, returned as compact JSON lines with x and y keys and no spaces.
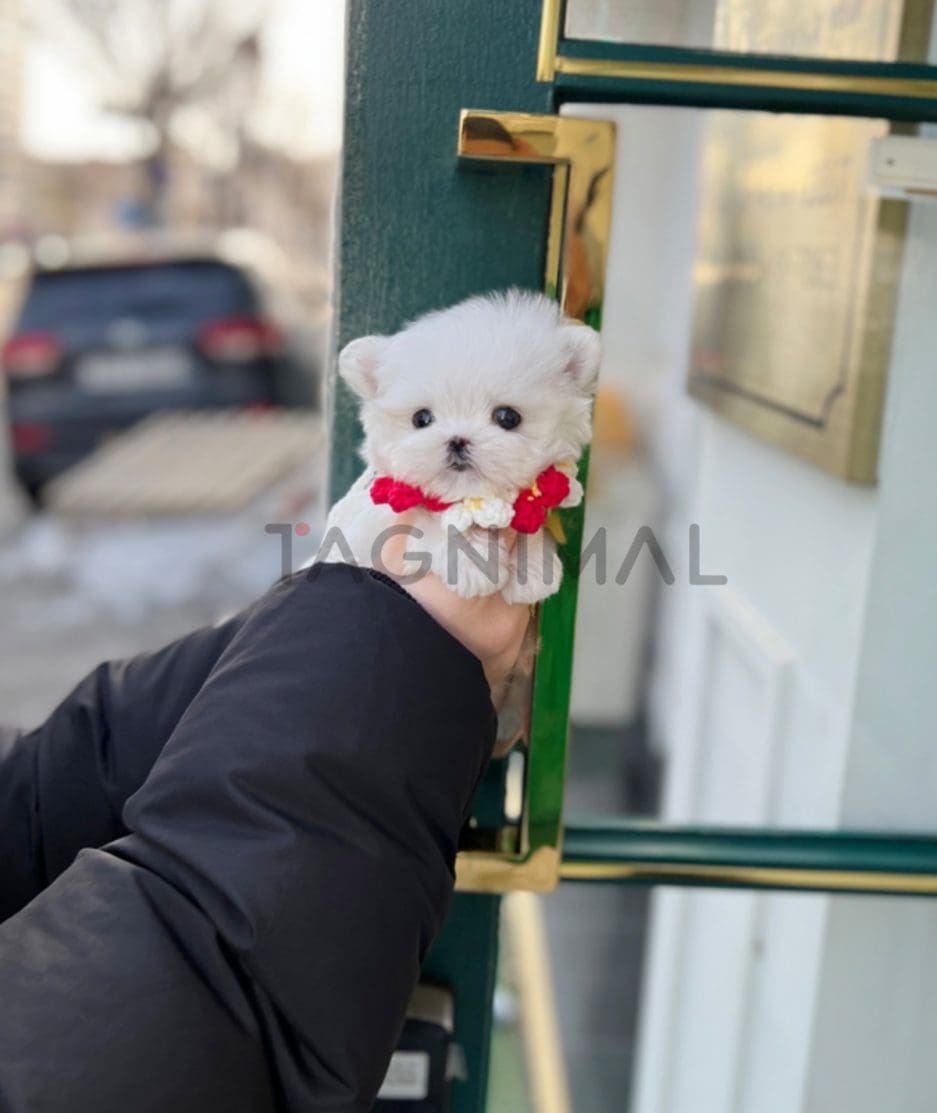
{"x":418,"y":230}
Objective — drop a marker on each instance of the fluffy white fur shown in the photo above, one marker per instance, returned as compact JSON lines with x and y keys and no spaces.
{"x":514,"y":349}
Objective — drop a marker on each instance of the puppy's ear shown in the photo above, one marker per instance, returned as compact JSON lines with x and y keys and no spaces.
{"x":358,"y":362}
{"x":584,"y":353}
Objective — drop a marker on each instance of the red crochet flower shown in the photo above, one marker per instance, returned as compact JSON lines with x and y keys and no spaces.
{"x":402,"y":496}
{"x":553,"y":485}
{"x":530,"y":507}
{"x":529,"y":513}
{"x":398,"y":496}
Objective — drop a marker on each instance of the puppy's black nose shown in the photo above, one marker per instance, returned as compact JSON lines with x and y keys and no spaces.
{"x":458,"y":446}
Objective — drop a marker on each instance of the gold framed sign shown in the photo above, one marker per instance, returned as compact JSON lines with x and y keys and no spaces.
{"x":796,"y":280}
{"x":798,"y":261}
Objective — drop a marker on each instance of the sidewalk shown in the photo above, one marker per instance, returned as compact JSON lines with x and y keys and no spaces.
{"x":78,"y":589}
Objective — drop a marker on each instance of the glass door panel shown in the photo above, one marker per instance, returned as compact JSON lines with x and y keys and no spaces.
{"x":860,"y":30}
{"x":676,"y":1001}
{"x":761,"y":291}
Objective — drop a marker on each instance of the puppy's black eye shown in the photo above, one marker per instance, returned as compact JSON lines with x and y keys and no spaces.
{"x":422,"y":418}
{"x":507,"y":417}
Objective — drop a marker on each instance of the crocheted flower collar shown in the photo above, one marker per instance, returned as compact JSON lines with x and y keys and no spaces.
{"x":555,"y":486}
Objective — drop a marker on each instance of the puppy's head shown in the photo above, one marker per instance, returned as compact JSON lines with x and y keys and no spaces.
{"x":477,"y":399}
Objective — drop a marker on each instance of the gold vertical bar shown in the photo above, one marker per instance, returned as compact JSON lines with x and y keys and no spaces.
{"x":553,"y":269}
{"x":529,"y":952}
{"x":549,"y":40}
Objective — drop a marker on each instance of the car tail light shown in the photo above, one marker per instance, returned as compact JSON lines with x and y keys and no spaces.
{"x":30,"y":436}
{"x":31,"y":355}
{"x":239,"y":339}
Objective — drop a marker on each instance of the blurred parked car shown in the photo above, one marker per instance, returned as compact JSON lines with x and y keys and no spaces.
{"x":97,"y":346}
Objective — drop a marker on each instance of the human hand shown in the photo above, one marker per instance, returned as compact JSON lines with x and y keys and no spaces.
{"x":487,"y":626}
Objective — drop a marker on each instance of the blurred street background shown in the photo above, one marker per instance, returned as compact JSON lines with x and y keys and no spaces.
{"x":167,"y":175}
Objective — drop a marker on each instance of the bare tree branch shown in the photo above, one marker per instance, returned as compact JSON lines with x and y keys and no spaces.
{"x":150,"y":58}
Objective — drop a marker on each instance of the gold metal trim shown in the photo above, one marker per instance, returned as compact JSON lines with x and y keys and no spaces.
{"x":583,"y":154}
{"x":559,"y":191}
{"x":479,"y":871}
{"x":912,"y":884}
{"x":549,"y":40}
{"x":922,"y":88}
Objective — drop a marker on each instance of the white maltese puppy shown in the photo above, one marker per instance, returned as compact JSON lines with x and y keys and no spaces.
{"x":474,"y":420}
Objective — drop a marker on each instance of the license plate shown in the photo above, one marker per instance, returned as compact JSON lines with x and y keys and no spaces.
{"x":155,"y":369}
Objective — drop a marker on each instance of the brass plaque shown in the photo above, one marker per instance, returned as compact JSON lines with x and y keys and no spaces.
{"x":795,"y":281}
{"x":798,"y":261}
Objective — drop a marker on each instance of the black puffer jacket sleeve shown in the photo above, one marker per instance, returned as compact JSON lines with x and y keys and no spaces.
{"x":63,"y":785}
{"x":252,"y":942}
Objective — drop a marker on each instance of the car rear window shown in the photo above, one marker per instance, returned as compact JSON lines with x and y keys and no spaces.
{"x":182,"y":294}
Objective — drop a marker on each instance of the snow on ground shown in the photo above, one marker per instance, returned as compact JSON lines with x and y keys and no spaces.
{"x":76,"y":592}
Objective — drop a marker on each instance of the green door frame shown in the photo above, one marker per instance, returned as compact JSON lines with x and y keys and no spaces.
{"x":418,"y":231}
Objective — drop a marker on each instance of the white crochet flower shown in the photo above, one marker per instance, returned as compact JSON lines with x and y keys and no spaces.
{"x":574,"y":498}
{"x":489,"y":513}
{"x":458,"y":516}
{"x":493,"y":513}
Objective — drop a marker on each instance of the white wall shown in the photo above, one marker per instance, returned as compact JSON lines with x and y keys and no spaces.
{"x":875,"y":1028}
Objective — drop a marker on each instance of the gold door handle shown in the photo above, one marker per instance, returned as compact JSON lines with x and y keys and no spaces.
{"x":582,"y":155}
